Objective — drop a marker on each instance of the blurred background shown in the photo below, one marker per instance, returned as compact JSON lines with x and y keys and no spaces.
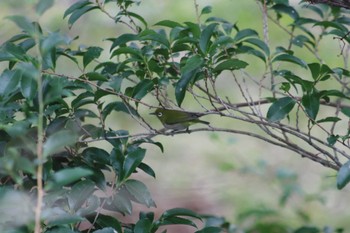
{"x":237,"y":177}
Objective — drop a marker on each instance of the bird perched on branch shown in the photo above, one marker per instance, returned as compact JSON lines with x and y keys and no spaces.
{"x":177,"y":119}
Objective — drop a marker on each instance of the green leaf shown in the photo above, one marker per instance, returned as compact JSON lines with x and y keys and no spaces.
{"x":133,"y":15}
{"x":332,"y":139}
{"x":58,"y":216}
{"x":346,"y":111}
{"x":210,"y":230}
{"x":329,"y":119}
{"x":139,"y":192}
{"x":91,"y":54}
{"x":169,"y":23}
{"x":58,"y":141}
{"x":193,"y":64}
{"x":57,"y":229}
{"x":67,"y":176}
{"x":119,"y":107}
{"x":245,"y":33}
{"x":343,"y":176}
{"x":12,"y":52}
{"x":204,"y":41}
{"x":260,"y":44}
{"x":122,"y":203}
{"x":291,"y":59}
{"x":147,"y":169}
{"x":332,"y":24}
{"x":79,"y":193}
{"x":94,"y":76}
{"x":311,"y":102}
{"x":123,"y":39}
{"x":154,"y":36}
{"x":281,"y":8}
{"x":77,"y":12}
{"x":315,"y":69}
{"x":23,"y":23}
{"x":307,"y":230}
{"x":95,"y":155}
{"x":29,"y":79}
{"x":49,"y":43}
{"x":43,"y":5}
{"x":128,"y":50}
{"x":142,"y":89}
{"x":75,"y":6}
{"x":230,"y":64}
{"x":206,"y":10}
{"x":108,"y":221}
{"x":106,"y":230}
{"x":177,"y":220}
{"x":280,"y":109}
{"x":9,"y":80}
{"x":131,"y":162}
{"x":180,"y":212}
{"x":143,"y":226}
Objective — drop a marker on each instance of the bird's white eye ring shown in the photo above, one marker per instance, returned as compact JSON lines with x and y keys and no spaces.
{"x":160,"y":114}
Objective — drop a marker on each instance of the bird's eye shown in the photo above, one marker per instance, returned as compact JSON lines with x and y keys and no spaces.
{"x":159,"y":114}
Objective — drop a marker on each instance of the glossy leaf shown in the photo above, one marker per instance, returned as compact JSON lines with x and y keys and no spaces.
{"x":204,"y":41}
{"x":106,"y":230}
{"x":67,"y":176}
{"x":260,"y":44}
{"x":177,"y":220}
{"x":291,"y":59}
{"x":193,"y":64}
{"x":346,"y":111}
{"x":280,"y":109}
{"x":230,"y":64}
{"x":245,"y":33}
{"x":332,"y":139}
{"x":139,"y":192}
{"x":29,"y":79}
{"x":119,"y":107}
{"x":79,"y":193}
{"x":142,"y":89}
{"x":329,"y":119}
{"x":108,"y":221}
{"x":180,"y":212}
{"x":210,"y":230}
{"x":23,"y":23}
{"x":43,"y":5}
{"x":343,"y":176}
{"x":122,"y":203}
{"x":91,"y":54}
{"x":58,"y":141}
{"x":152,"y":35}
{"x":9,"y":80}
{"x":143,"y":226}
{"x":94,"y":76}
{"x":306,"y":229}
{"x":206,"y":10}
{"x":311,"y":103}
{"x":281,"y":8}
{"x":131,"y":162}
{"x":123,"y":39}
{"x":60,"y":217}
{"x":77,"y":13}
{"x":168,"y":23}
{"x":147,"y":169}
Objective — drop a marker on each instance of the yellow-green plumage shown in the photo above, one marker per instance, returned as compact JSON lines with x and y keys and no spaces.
{"x":178,"y":120}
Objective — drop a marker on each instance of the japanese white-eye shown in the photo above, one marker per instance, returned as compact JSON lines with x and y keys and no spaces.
{"x":176,"y":119}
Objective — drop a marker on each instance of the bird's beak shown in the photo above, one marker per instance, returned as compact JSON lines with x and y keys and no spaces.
{"x":152,"y":113}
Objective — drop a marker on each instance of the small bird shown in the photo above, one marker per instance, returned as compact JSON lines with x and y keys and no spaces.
{"x":178,"y":120}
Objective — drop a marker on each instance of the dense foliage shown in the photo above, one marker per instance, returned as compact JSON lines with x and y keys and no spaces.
{"x":54,"y":177}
